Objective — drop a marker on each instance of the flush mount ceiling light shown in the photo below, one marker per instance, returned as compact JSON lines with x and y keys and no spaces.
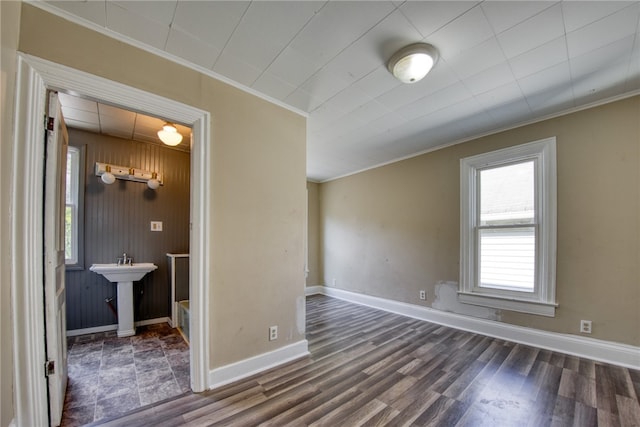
{"x":411,"y":63}
{"x":169,"y":134}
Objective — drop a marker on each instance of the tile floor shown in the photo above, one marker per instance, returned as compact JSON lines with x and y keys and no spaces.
{"x":109,"y":376}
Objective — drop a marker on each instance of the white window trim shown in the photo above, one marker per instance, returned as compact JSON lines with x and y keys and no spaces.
{"x":543,"y":300}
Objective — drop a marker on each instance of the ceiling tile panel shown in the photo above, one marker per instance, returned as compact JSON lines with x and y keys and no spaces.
{"x":436,"y":101}
{"x":267,"y":28}
{"x":477,"y":59}
{"x":542,"y":87}
{"x":117,"y":113}
{"x":540,"y":58}
{"x":504,"y":95}
{"x":323,"y":86}
{"x":243,"y":72}
{"x":601,"y":59}
{"x":89,"y":127}
{"x":602,"y":84}
{"x":439,"y":78}
{"x":136,"y":26}
{"x":532,"y":33}
{"x":336,"y":26}
{"x":377,"y":82}
{"x":505,"y":14}
{"x":69,"y":101}
{"x":161,"y":11}
{"x":273,"y":86}
{"x":465,"y":32}
{"x":292,"y":67}
{"x":192,"y":49}
{"x":117,"y":126}
{"x":373,"y":50}
{"x":577,"y":14}
{"x":430,"y":16}
{"x":211,"y":22}
{"x":489,"y":79}
{"x":94,"y":11}
{"x":80,"y":115}
{"x":511,"y":113}
{"x":605,"y":31}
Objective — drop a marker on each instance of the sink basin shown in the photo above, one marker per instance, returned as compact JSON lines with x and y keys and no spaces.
{"x":123,"y":273}
{"x":124,"y":276}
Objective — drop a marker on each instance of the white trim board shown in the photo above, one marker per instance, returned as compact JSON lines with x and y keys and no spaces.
{"x":599,"y":350}
{"x":232,"y":372}
{"x":105,"y":328}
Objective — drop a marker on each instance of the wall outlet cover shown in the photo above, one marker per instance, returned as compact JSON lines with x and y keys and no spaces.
{"x":156,"y":225}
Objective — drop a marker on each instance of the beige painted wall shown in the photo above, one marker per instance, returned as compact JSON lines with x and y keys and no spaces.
{"x":314,"y":265}
{"x":394,"y":230}
{"x":9,"y":27}
{"x":259,"y":183}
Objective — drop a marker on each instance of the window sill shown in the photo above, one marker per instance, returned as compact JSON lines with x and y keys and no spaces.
{"x":512,"y":304}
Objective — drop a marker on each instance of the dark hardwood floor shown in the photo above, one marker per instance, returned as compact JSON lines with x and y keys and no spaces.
{"x":372,"y":368}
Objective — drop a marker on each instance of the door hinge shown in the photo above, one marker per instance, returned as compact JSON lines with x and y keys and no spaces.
{"x":49,"y":368}
{"x":51,"y":123}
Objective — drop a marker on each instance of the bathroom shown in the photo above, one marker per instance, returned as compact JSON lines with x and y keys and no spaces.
{"x":115,"y":219}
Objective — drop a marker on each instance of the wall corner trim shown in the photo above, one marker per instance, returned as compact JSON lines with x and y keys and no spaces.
{"x":232,"y":372}
{"x":598,"y":350}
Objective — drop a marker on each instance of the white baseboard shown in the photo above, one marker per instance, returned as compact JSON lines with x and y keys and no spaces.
{"x":599,"y":350}
{"x":253,"y":365}
{"x":313,"y":290}
{"x":97,"y":329}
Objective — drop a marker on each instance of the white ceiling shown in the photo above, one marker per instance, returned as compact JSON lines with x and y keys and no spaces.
{"x":105,"y":119}
{"x":501,"y":63}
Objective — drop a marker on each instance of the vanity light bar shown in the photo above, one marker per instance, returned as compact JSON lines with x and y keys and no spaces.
{"x":129,"y":174}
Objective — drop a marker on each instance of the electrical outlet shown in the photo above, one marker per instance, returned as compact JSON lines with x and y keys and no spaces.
{"x":156,"y":225}
{"x":423,"y":295}
{"x":585,"y":326}
{"x":273,"y":333}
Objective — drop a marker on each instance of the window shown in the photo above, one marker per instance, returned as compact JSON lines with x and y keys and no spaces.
{"x":73,"y":210}
{"x":508,"y":228}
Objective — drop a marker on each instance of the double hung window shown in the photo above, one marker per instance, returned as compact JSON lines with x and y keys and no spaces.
{"x":508,"y":228}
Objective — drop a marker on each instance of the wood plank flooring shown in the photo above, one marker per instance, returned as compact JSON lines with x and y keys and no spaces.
{"x":372,"y":368}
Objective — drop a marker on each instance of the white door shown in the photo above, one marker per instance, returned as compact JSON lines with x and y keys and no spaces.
{"x":54,"y":255}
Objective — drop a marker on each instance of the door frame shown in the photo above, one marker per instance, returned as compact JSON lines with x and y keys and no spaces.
{"x":34,"y":77}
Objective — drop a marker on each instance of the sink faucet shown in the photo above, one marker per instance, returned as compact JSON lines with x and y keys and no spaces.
{"x":125,"y":260}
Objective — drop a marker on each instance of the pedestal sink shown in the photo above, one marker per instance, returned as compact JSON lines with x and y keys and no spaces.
{"x":124,"y":276}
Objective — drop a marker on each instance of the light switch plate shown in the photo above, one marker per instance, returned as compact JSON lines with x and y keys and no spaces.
{"x":156,"y":225}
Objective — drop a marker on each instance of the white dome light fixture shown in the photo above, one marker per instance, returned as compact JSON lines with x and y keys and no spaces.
{"x":411,"y":63}
{"x":169,"y":134}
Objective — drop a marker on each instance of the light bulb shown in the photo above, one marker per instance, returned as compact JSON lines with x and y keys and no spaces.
{"x":153,"y":184}
{"x":169,"y":135}
{"x":107,"y":177}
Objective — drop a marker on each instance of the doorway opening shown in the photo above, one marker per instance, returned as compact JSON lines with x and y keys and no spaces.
{"x":112,"y":371}
{"x":35,"y":78}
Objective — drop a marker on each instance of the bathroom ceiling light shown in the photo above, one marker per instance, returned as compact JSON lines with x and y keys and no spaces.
{"x":169,"y":135}
{"x":411,"y":63}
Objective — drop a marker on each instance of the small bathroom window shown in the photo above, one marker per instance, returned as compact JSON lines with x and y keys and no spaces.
{"x":74,"y":209}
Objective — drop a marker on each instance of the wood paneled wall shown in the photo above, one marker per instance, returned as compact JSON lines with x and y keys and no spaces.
{"x":117,"y":219}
